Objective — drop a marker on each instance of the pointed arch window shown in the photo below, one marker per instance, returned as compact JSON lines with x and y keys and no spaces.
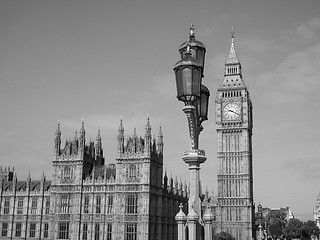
{"x":47,"y":209}
{"x":132,"y":203}
{"x":65,"y":203}
{"x":6,"y":205}
{"x":18,"y":229}
{"x":86,"y":204}
{"x":63,"y":229}
{"x":132,"y":172}
{"x":67,"y":172}
{"x":98,"y":203}
{"x":110,"y":203}
{"x":20,"y":205}
{"x":85,"y":231}
{"x":109,"y":231}
{"x":34,"y":204}
{"x":131,"y":231}
{"x":96,"y":231}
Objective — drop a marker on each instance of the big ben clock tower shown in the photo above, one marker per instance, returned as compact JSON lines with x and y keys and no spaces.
{"x":235,"y":210}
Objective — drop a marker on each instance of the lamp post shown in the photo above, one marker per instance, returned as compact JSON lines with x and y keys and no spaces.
{"x":195,"y":96}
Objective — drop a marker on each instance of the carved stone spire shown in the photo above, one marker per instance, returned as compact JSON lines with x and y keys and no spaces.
{"x":75,"y":137}
{"x":98,"y":149}
{"x":147,"y":143}
{"x":134,"y":140}
{"x":120,"y":138}
{"x":82,"y":130}
{"x":170,"y":183}
{"x":148,"y":128}
{"x":82,"y":138}
{"x":121,"y":129}
{"x":57,"y":140}
{"x":165,"y":180}
{"x":75,"y":144}
{"x":160,"y":141}
{"x":58,"y":132}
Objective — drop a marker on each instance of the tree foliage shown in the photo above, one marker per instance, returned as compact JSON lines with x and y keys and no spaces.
{"x":312,"y":228}
{"x":276,"y":222}
{"x":301,"y":230}
{"x":223,"y":236}
{"x":293,"y":230}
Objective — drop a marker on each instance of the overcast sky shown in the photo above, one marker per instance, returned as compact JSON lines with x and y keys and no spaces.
{"x":100,"y":60}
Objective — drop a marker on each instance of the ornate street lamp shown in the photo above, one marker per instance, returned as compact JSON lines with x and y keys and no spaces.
{"x":190,"y":90}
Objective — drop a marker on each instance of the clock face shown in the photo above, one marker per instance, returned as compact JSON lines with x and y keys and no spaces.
{"x":231,"y":111}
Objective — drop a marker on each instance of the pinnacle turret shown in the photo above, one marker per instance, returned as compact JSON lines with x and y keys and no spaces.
{"x":134,"y":136}
{"x":58,"y":132}
{"x":147,"y":140}
{"x":165,"y":180}
{"x":57,"y":141}
{"x":75,"y":137}
{"x":160,"y":141}
{"x":82,"y":130}
{"x":120,"y":138}
{"x":82,"y":139}
{"x":121,"y":128}
{"x":98,"y":149}
{"x":75,"y":144}
{"x":98,"y":138}
{"x":148,"y":128}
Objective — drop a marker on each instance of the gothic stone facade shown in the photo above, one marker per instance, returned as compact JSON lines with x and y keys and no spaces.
{"x":88,"y":199}
{"x":235,"y":208}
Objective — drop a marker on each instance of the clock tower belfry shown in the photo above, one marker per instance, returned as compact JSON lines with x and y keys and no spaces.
{"x":235,"y":210}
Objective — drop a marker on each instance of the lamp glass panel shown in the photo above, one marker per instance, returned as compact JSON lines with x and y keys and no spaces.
{"x":200,"y":56}
{"x":179,"y":83}
{"x":196,"y":75}
{"x":204,"y":105}
{"x":187,"y":80}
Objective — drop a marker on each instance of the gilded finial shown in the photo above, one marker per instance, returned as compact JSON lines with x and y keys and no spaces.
{"x":232,"y":34}
{"x":192,"y":30}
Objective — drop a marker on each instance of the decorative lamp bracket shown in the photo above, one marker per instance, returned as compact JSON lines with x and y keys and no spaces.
{"x":194,"y":128}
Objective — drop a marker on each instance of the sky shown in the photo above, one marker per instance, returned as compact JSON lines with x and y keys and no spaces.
{"x":105,"y":60}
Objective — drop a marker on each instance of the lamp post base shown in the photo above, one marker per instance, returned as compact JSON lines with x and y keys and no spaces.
{"x":194,"y":158}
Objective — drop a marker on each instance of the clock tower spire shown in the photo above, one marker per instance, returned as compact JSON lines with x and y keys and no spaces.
{"x":234,"y":130}
{"x":232,"y":69}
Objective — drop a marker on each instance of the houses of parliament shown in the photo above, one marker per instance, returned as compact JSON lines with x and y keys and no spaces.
{"x":133,"y":199}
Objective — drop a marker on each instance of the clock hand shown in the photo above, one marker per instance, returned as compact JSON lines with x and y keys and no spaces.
{"x":233,"y":111}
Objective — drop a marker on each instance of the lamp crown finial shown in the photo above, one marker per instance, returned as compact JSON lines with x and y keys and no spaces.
{"x":192,"y":30}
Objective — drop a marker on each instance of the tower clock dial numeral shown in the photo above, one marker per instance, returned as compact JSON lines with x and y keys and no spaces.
{"x":231,"y":111}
